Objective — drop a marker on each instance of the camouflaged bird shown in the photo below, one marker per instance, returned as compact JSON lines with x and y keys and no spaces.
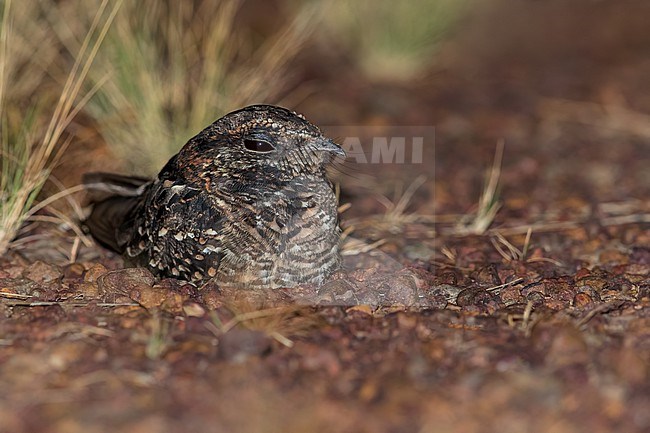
{"x":246,"y":202}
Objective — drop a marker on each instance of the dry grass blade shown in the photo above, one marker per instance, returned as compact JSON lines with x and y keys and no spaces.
{"x":511,"y":252}
{"x":177,"y":66}
{"x":556,"y":226}
{"x":489,"y":204}
{"x":279,"y":323}
{"x":160,"y":338}
{"x":524,"y":250}
{"x":395,"y":217}
{"x":14,"y":295}
{"x":396,"y":210}
{"x":507,"y":256}
{"x":598,"y":309}
{"x":500,"y":286}
{"x":450,"y":254}
{"x":54,"y":197}
{"x":251,"y":317}
{"x":353,"y":247}
{"x":60,"y":219}
{"x":4,"y":49}
{"x":26,"y":161}
{"x":69,"y":304}
{"x":525,"y":319}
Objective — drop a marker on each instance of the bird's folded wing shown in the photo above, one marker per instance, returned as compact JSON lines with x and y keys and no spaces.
{"x":101,"y":186}
{"x":111,"y":198}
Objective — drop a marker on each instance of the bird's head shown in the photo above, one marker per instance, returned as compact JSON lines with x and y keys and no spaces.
{"x":262,"y":141}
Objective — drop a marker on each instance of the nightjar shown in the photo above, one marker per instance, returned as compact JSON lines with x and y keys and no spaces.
{"x":246,"y":202}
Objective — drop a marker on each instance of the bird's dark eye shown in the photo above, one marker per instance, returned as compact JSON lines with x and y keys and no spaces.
{"x":257,"y":145}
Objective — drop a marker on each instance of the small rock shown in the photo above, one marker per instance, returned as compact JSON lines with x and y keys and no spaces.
{"x":237,"y":345}
{"x":192,"y":309}
{"x":613,"y":256}
{"x":42,"y":272}
{"x":536,"y":287}
{"x":187,"y":290}
{"x":337,"y":292}
{"x":582,"y":300}
{"x":559,"y":289}
{"x":449,"y":291}
{"x":406,"y":322}
{"x":487,"y":275}
{"x":449,"y":277}
{"x":554,"y":304}
{"x":369,"y":391}
{"x":471,"y":296}
{"x":149,"y":297}
{"x":641,"y":256}
{"x":636,"y":273}
{"x":631,"y":367}
{"x":561,"y":345}
{"x":93,"y":274}
{"x":438,"y":298}
{"x":511,"y":295}
{"x":88,"y":290}
{"x":537,"y":298}
{"x":591,"y":292}
{"x":364,"y":309}
{"x":173,"y":304}
{"x":316,"y":358}
{"x":74,"y":270}
{"x":402,"y":289}
{"x":20,"y":286}
{"x":595,"y":282}
{"x":64,"y":354}
{"x":123,"y":281}
{"x":211,"y":297}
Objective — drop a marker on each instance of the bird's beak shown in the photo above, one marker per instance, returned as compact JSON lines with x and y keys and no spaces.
{"x":327,"y":145}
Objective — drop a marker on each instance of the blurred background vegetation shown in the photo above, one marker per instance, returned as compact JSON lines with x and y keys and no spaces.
{"x":166,"y":69}
{"x":120,"y":86}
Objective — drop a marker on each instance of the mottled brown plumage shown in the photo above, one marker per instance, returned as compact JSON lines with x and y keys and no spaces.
{"x":246,"y":202}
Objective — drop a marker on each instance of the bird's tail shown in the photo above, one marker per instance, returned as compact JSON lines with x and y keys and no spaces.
{"x":112,"y":198}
